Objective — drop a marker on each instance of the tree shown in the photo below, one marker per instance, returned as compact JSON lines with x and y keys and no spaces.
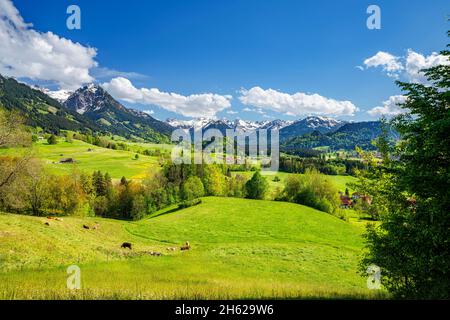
{"x":12,"y":130}
{"x":52,"y":140}
{"x":214,"y":180}
{"x":256,"y":187}
{"x":102,"y":183}
{"x":192,"y":189}
{"x":69,"y":137}
{"x":411,"y":245}
{"x":35,"y":191}
{"x":236,"y":186}
{"x":12,"y":133}
{"x":123,"y":181}
{"x":139,"y":207}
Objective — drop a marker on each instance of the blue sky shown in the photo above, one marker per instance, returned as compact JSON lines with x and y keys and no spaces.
{"x":222,"y":47}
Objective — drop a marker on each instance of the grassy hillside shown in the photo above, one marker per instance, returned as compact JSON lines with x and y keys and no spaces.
{"x":240,"y":249}
{"x":116,"y":162}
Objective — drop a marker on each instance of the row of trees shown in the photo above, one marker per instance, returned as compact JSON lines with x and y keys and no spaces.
{"x":295,"y":164}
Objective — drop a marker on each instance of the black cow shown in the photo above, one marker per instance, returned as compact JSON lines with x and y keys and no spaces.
{"x":126,"y":245}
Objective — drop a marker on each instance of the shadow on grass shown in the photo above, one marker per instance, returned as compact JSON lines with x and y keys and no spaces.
{"x":160,"y":214}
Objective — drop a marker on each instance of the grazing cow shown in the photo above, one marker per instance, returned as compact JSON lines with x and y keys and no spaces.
{"x":186,"y":247}
{"x":96,"y":226}
{"x":86,"y":227}
{"x":47,"y":224}
{"x":171,"y":249}
{"x":155,"y":254}
{"x":126,"y":245}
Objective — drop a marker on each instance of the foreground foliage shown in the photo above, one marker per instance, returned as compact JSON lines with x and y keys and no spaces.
{"x":412,"y":243}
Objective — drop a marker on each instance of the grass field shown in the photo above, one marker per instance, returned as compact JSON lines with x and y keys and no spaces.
{"x":122,"y":163}
{"x":240,"y":249}
{"x":116,"y":162}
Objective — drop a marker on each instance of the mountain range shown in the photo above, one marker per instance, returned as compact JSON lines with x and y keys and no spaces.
{"x":223,"y":124}
{"x":346,"y":137}
{"x":92,"y":109}
{"x":288,"y":129}
{"x":89,"y":109}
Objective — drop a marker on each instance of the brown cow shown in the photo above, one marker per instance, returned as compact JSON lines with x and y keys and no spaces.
{"x":186,"y":247}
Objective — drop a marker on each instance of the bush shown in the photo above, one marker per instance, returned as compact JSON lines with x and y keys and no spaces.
{"x":192,"y":189}
{"x":313,"y":190}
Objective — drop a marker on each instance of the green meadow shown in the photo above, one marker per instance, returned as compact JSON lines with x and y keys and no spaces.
{"x":90,"y":158}
{"x":240,"y":249}
{"x":120,"y":163}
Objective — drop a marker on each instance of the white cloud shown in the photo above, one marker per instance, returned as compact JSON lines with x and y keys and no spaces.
{"x":416,"y":62}
{"x":196,"y":105}
{"x":295,"y":104}
{"x":28,"y":53}
{"x":232,"y":112}
{"x":256,"y":110}
{"x":390,"y":107}
{"x":106,"y":74}
{"x":408,"y":66}
{"x":390,"y":63}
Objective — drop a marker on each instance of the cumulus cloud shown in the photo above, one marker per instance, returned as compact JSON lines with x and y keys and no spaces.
{"x":408,"y":66}
{"x":196,"y":105}
{"x":27,"y":53}
{"x":415,"y":62}
{"x":390,"y":107}
{"x":295,"y":104}
{"x":390,"y":63}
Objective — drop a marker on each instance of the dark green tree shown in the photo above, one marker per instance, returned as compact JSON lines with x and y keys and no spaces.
{"x":256,"y":187}
{"x":412,"y":243}
{"x":123,"y":181}
{"x":52,"y":140}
